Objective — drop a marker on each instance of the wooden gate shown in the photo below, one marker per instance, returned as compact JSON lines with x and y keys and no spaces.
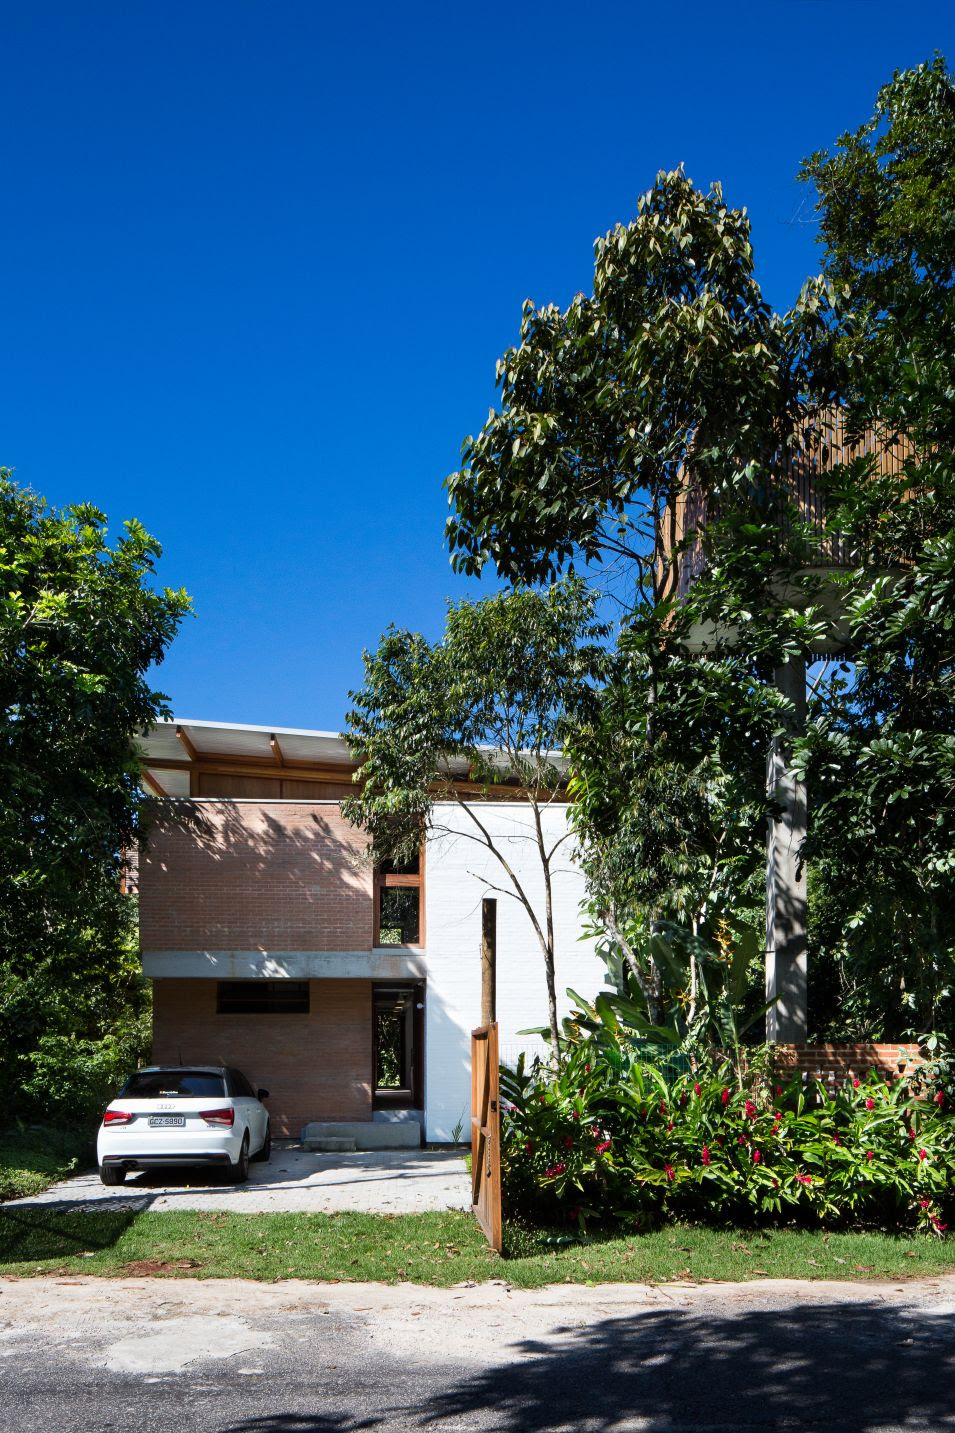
{"x":486,"y":1134}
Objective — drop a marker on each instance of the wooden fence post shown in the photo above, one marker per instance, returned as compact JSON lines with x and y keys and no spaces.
{"x":488,"y":960}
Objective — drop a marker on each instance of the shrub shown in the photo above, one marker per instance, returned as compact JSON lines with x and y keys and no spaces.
{"x":73,"y":1080}
{"x":610,"y":1138}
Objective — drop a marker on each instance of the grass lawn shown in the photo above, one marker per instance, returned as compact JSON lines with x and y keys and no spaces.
{"x":33,"y":1159}
{"x":439,"y":1249}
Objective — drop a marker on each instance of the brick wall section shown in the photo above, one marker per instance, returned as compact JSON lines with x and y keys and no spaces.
{"x":253,"y":876}
{"x":315,"y":1066}
{"x":835,"y":1063}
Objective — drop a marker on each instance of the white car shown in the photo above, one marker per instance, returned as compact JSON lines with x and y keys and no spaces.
{"x":184,"y":1114}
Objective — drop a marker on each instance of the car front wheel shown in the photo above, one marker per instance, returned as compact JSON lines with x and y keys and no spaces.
{"x":240,"y":1170}
{"x":112,"y":1174}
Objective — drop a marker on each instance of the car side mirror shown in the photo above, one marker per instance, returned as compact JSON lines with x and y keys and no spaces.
{"x":261,"y":1094}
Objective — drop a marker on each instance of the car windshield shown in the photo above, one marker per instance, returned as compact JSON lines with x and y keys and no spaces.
{"x":161,"y":1084}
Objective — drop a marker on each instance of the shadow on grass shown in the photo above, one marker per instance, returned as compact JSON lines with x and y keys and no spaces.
{"x":837,"y":1365}
{"x":35,"y":1232}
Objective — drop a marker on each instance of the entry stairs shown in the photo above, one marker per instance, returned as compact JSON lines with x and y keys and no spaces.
{"x":346,"y":1136}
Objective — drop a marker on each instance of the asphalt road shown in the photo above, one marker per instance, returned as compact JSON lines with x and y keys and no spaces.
{"x":190,"y":1356}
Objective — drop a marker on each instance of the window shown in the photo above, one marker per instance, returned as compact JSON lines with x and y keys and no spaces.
{"x":163,"y":1084}
{"x":398,"y":911}
{"x":240,"y":1086}
{"x":397,"y":1015}
{"x":262,"y":997}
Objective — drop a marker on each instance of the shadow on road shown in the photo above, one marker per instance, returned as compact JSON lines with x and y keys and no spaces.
{"x":852,"y":1367}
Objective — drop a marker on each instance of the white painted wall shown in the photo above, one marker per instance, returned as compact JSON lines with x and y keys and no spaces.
{"x":454,"y":889}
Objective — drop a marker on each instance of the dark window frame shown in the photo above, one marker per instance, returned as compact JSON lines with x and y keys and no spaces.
{"x":411,"y":1096}
{"x":388,"y":880}
{"x":265,"y":997}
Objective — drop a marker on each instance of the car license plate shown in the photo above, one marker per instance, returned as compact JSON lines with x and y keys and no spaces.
{"x":167,"y":1121}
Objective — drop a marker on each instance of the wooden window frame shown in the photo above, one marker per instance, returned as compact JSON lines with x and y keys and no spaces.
{"x":383,"y":882}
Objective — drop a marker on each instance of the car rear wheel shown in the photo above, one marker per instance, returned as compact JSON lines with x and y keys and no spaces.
{"x":240,"y":1170}
{"x":112,"y":1174}
{"x":265,"y":1153}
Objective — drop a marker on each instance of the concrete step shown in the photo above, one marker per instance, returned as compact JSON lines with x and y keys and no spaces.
{"x":361,"y":1134}
{"x":331,"y":1146}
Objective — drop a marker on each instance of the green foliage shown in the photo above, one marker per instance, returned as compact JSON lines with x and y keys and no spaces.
{"x":32,"y":1158}
{"x":649,"y":424}
{"x":608,"y":1136}
{"x":81,"y":623}
{"x":490,"y":702}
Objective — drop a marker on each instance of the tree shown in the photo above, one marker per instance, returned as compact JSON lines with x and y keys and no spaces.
{"x":651,"y":426}
{"x":80,"y":626}
{"x":489,"y":703}
{"x":880,"y":748}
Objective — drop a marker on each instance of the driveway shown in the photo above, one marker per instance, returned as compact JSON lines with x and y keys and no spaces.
{"x":80,"y":1355}
{"x":393,"y":1181}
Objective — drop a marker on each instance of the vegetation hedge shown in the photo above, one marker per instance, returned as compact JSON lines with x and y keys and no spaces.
{"x":604,"y":1136}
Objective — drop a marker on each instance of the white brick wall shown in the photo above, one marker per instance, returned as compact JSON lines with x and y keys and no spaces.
{"x":453,"y":893}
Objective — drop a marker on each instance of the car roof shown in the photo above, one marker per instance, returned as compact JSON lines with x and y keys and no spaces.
{"x":171,"y":1069}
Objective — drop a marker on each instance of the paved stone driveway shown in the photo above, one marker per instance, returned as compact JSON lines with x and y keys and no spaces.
{"x":400,"y":1181}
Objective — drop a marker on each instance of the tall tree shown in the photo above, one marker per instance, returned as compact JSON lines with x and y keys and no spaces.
{"x":655,"y":425}
{"x":81,"y":624}
{"x":489,"y":703}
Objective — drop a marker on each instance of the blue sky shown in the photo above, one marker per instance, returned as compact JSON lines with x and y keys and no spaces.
{"x":260,"y":258}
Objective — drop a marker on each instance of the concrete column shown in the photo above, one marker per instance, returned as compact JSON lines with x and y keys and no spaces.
{"x":786,"y":948}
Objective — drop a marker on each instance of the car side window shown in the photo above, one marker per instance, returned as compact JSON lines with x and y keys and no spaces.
{"x":240,"y":1085}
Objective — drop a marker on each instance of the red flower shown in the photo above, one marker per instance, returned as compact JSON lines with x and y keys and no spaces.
{"x":529,"y":1146}
{"x":602,"y":1147}
{"x":595,"y":1131}
{"x":682,"y":1098}
{"x":756,"y":1156}
{"x":568,"y":1142}
{"x":940,"y":1098}
{"x":725,"y":1097}
{"x":668,"y":1171}
{"x":669,"y":1125}
{"x":663,"y":1107}
{"x":696,"y":1089}
{"x":750,"y":1110}
{"x":855,"y":1084}
{"x":804,"y":1178}
{"x":836,"y":1139}
{"x":575,"y":1116}
{"x":775,"y":1183}
{"x":923,"y":1154}
{"x":870,"y":1103}
{"x":911,"y":1134}
{"x":742,"y":1139}
{"x":554,"y":1170}
{"x":719,"y":1140}
{"x":779,"y":1089}
{"x":870,"y":1154}
{"x":937,"y":1223}
{"x":925,"y":1203}
{"x":581,"y":1092}
{"x":775,"y":1127}
{"x":586,"y":1069}
{"x":705,"y":1156}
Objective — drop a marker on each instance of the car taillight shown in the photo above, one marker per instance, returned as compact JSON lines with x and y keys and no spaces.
{"x":117,"y":1117}
{"x":218,"y":1117}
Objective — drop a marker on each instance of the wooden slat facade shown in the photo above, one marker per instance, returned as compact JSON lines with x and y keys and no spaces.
{"x":823,"y":444}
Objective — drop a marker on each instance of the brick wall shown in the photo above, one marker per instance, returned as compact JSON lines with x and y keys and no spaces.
{"x":315,"y":1066}
{"x":253,"y":876}
{"x":834,"y":1063}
